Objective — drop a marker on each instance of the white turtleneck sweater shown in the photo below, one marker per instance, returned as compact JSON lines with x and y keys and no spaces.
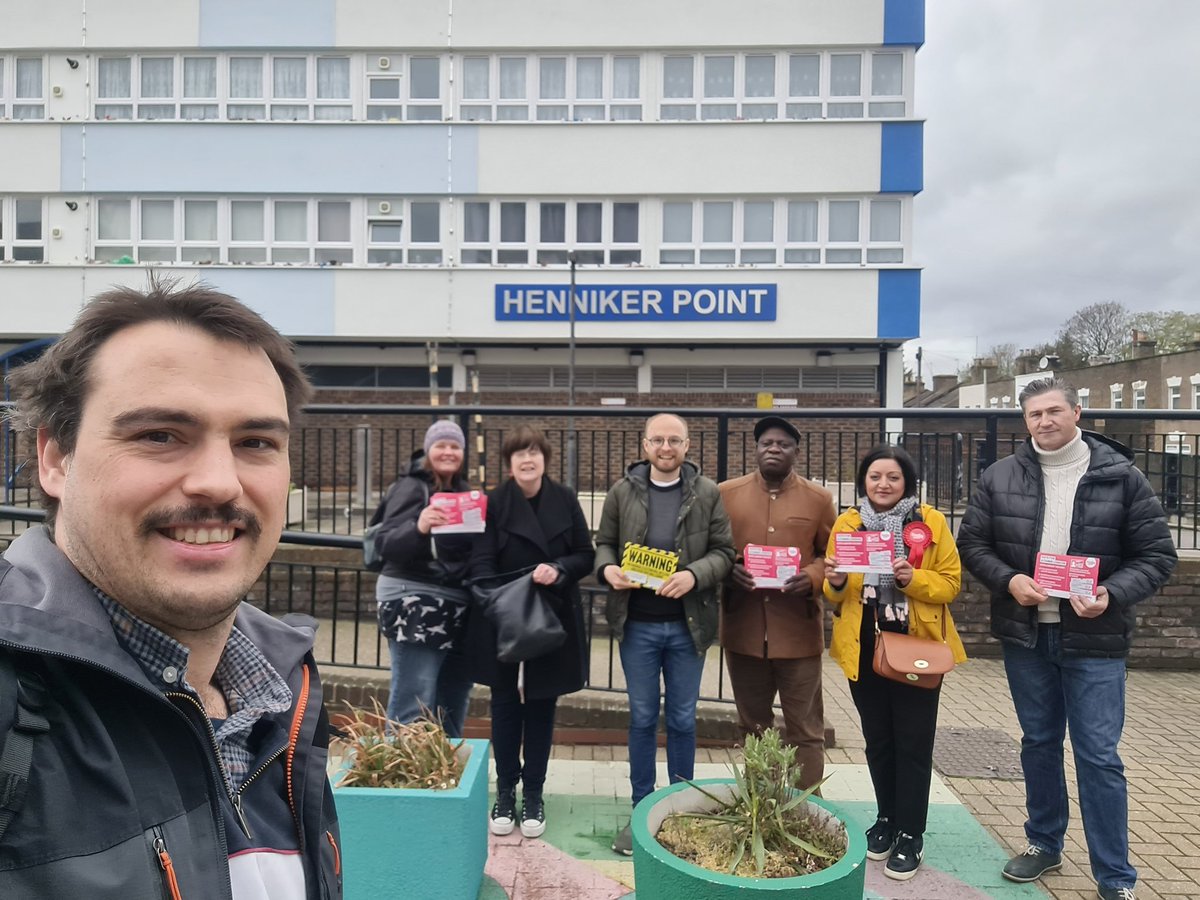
{"x":1061,"y":471}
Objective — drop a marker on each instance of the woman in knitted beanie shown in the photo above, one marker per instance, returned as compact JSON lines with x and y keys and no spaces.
{"x":422,"y":602}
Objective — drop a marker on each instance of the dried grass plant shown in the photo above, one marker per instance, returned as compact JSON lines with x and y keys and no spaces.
{"x":390,"y":755}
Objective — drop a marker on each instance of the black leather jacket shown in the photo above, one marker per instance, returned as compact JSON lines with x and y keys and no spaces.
{"x":1116,"y":517}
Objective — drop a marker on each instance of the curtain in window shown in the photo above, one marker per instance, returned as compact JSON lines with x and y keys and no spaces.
{"x":552,"y":78}
{"x":626,"y":78}
{"x":512,"y":78}
{"x":718,"y":222}
{"x":887,"y":74}
{"x":114,"y":78}
{"x":291,"y":220}
{"x":476,"y":75}
{"x":158,"y":77}
{"x":289,"y":77}
{"x":199,"y":220}
{"x":677,"y":223}
{"x":677,"y":76}
{"x":333,"y":78}
{"x":29,"y":219}
{"x":802,"y":221}
{"x":587,"y":223}
{"x":625,"y":223}
{"x":29,"y":79}
{"x":804,"y":75}
{"x":245,"y":76}
{"x":246,"y":220}
{"x":158,"y":220}
{"x":589,"y":78}
{"x":199,"y":76}
{"x":113,"y":220}
{"x":553,"y":223}
{"x":512,"y":222}
{"x":760,"y":76}
{"x":718,"y":76}
{"x":845,"y":75}
{"x":333,"y":221}
{"x":475,"y":222}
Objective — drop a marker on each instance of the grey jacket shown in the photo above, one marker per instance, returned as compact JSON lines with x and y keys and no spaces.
{"x":702,"y":535}
{"x":123,"y":769}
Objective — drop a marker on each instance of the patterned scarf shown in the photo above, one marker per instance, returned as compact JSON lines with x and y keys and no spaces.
{"x":879,"y":590}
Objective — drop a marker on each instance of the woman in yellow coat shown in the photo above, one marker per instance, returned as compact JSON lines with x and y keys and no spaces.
{"x":898,"y":720}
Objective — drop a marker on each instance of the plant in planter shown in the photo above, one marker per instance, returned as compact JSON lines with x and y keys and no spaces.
{"x":756,"y":832}
{"x":412,"y":805}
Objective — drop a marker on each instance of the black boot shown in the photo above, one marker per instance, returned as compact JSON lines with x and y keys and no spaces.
{"x":504,"y":812}
{"x":533,"y":814}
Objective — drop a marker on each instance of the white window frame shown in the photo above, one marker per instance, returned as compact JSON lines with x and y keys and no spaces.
{"x":1194,"y":381}
{"x":1139,"y":395}
{"x":10,"y":245}
{"x":532,"y":107}
{"x":1175,"y":392}
{"x":32,"y":108}
{"x":398,"y":212}
{"x":1116,"y":396}
{"x":1085,"y":395}
{"x":405,"y":107}
{"x":540,"y":253}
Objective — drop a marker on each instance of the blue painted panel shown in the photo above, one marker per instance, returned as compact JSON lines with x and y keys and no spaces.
{"x":904,"y":22}
{"x":637,"y":302}
{"x":298,"y":302}
{"x":228,"y":158}
{"x":267,"y":23}
{"x":899,"y":313}
{"x":902,"y":157}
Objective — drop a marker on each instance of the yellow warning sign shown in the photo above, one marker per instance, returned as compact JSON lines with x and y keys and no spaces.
{"x":648,"y":565}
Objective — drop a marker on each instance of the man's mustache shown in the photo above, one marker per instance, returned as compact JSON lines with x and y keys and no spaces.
{"x":226,"y":514}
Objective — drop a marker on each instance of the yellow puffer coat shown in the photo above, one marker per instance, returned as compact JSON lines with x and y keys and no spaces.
{"x":929,"y":593}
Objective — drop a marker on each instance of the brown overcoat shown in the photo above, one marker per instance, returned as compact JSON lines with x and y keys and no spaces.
{"x":770,"y":623}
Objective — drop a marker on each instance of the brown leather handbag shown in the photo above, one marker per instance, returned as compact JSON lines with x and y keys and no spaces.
{"x":919,"y":662}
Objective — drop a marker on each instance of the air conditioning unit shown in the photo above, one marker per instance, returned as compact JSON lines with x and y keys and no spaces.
{"x":384,"y":207}
{"x":385,"y":62}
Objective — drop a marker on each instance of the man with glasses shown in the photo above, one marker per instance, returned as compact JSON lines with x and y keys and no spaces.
{"x":665,"y":503}
{"x":774,"y":637}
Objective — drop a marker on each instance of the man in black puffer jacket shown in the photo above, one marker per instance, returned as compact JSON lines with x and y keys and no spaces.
{"x":1065,"y":491}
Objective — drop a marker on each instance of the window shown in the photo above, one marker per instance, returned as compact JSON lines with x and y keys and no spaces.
{"x":282,"y":87}
{"x":415,"y":377}
{"x":1115,"y":398}
{"x":1085,"y":398}
{"x":505,"y":232}
{"x":752,"y":379}
{"x":22,"y":87}
{"x":1174,"y":392}
{"x":408,"y":88}
{"x":22,"y":229}
{"x":589,"y":379}
{"x":400,"y":232}
{"x":718,"y":232}
{"x":1195,"y":382}
{"x":206,"y":230}
{"x":1139,"y":395}
{"x":559,"y":87}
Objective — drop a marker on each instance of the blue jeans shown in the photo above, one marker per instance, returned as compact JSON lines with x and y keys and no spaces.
{"x":648,"y":649}
{"x":1052,"y":692}
{"x":439,"y":680}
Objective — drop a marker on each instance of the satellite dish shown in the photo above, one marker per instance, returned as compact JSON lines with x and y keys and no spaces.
{"x":1043,"y":362}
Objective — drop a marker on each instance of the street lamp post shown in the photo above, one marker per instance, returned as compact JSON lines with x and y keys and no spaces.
{"x":571,"y":461}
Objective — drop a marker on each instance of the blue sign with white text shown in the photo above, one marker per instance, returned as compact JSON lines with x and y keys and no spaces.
{"x":637,"y":302}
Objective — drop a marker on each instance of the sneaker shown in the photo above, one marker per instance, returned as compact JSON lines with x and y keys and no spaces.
{"x":881,"y":839}
{"x":623,"y":842}
{"x":1111,"y":893}
{"x":906,"y":857}
{"x":533,"y":816}
{"x":504,"y":812}
{"x":1031,"y":864}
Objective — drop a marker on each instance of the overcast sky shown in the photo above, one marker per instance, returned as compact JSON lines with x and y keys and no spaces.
{"x":1062,"y":166}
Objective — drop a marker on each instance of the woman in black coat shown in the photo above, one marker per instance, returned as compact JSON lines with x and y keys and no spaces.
{"x":531,"y":522}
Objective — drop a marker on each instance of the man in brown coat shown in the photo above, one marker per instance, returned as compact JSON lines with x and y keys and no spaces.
{"x":774,"y":638}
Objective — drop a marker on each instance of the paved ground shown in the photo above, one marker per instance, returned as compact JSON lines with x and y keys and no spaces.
{"x":975,"y":821}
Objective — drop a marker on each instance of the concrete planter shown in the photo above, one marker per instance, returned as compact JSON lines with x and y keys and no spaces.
{"x":660,"y":875}
{"x":416,"y":842}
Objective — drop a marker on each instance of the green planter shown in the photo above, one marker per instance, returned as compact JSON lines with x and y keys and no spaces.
{"x":403,"y":842}
{"x":660,"y":875}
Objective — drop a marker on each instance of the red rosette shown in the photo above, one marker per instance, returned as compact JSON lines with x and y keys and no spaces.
{"x":917,"y":536}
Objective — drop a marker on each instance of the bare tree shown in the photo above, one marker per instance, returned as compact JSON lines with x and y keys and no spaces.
{"x":1101,"y":328}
